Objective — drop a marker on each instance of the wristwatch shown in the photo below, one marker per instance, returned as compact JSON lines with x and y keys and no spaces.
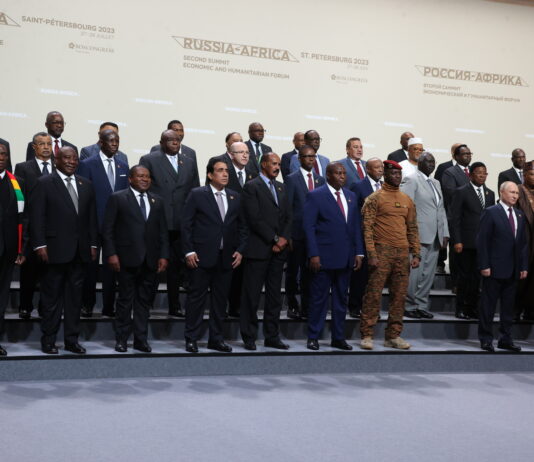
{"x":276,"y":238}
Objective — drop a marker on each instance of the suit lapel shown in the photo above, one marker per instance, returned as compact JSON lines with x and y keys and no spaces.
{"x":504,"y":220}
{"x":232,"y":206}
{"x":62,"y":191}
{"x":135,"y":205}
{"x":210,"y":199}
{"x":168,"y":168}
{"x":266,"y":190}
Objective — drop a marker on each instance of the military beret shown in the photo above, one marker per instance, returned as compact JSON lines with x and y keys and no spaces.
{"x":391,"y":164}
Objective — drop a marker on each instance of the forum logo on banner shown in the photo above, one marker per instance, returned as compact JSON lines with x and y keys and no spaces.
{"x":5,"y":20}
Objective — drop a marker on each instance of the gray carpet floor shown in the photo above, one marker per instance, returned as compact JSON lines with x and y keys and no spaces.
{"x":365,"y":417}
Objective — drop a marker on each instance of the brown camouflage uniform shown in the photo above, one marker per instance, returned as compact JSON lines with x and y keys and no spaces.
{"x":391,"y":234}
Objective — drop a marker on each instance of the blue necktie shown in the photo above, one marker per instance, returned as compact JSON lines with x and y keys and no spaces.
{"x":273,"y":192}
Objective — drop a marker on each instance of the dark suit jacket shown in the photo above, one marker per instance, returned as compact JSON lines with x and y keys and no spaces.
{"x":438,"y":175}
{"x":297,"y":189}
{"x":253,"y":161}
{"x":285,"y":163}
{"x":508,"y":175}
{"x":6,"y":144}
{"x":94,"y":150}
{"x":398,"y":156}
{"x":497,"y":249}
{"x":30,"y":172}
{"x":465,"y":211}
{"x":362,"y":189}
{"x":452,"y":179}
{"x":125,"y":232}
{"x":264,"y":218}
{"x":9,"y":223}
{"x":172,"y":187}
{"x":203,"y":227}
{"x":185,"y":151}
{"x":30,"y":153}
{"x":93,"y":169}
{"x":328,"y":235}
{"x":55,"y":223}
{"x":233,"y":181}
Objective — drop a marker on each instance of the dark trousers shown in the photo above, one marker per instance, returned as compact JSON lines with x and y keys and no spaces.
{"x":31,"y":273}
{"x":297,"y":264}
{"x":358,"y":283}
{"x":258,"y":273}
{"x":217,"y":279}
{"x":61,"y":282}
{"x":175,"y":271}
{"x":236,"y":286}
{"x":468,"y":282}
{"x":321,"y":283}
{"x":109,"y":280}
{"x":493,"y":290}
{"x":6,"y":271}
{"x":453,"y":264}
{"x":137,"y":288}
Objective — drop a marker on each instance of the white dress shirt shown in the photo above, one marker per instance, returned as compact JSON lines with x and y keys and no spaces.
{"x":137,"y":195}
{"x":304,"y":174}
{"x":105,"y":162}
{"x":343,"y":199}
{"x":65,"y":182}
{"x":40,"y":163}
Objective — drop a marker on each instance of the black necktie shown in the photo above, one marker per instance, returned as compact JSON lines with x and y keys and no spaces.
{"x":142,"y":205}
{"x":45,"y":168}
{"x":480,"y":197}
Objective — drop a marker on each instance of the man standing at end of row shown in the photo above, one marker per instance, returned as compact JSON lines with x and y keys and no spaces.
{"x":390,"y":233}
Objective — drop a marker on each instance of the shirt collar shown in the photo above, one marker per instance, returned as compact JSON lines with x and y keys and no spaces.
{"x":305,"y":172}
{"x":2,"y":175}
{"x":63,"y":176}
{"x":137,"y":193}
{"x":333,"y":190}
{"x":104,"y":157}
{"x":214,"y":190}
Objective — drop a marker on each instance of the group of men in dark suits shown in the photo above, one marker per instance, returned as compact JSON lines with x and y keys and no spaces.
{"x":234,"y":235}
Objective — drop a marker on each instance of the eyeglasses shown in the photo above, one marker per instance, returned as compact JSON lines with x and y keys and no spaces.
{"x":310,"y":156}
{"x":239,"y":152}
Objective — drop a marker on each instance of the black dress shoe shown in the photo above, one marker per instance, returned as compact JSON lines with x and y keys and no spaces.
{"x":108,"y":313}
{"x":121,"y":347}
{"x":509,"y":346}
{"x":142,"y":346}
{"x":293,"y":313}
{"x":3,"y":352}
{"x":341,"y":344}
{"x":354,"y":314}
{"x":276,"y":343}
{"x":49,"y":349}
{"x":75,"y":348}
{"x":233,"y":314}
{"x":440,"y":269}
{"x":86,"y":312}
{"x":178,"y":313}
{"x":313,"y":344}
{"x":414,"y":314}
{"x":191,"y":346}
{"x":487,"y":346}
{"x":220,"y":346}
{"x":250,"y":345}
{"x":424,"y":314}
{"x":461,"y":315}
{"x":25,"y":314}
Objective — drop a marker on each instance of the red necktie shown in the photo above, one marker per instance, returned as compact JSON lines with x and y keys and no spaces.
{"x":359,"y":168}
{"x":56,"y":147}
{"x":511,"y":220}
{"x":340,"y":204}
{"x":316,"y":167}
{"x":310,"y":182}
{"x":466,"y":170}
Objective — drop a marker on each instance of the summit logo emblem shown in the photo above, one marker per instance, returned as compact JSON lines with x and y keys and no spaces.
{"x":5,"y":20}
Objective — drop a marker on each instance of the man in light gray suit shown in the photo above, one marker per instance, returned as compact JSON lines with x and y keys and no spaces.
{"x":433,"y":233}
{"x":354,"y":165}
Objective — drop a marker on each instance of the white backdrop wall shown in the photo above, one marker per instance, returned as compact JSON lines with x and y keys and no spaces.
{"x":449,"y":71}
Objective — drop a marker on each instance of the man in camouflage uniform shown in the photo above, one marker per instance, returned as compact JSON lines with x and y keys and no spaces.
{"x":390,"y":234}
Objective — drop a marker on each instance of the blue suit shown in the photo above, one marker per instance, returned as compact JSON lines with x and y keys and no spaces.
{"x":294,"y":164}
{"x":297,"y":189}
{"x":94,"y":149}
{"x":352,"y":173}
{"x":336,"y":242}
{"x":93,"y":169}
{"x":362,"y":189}
{"x":506,"y":256}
